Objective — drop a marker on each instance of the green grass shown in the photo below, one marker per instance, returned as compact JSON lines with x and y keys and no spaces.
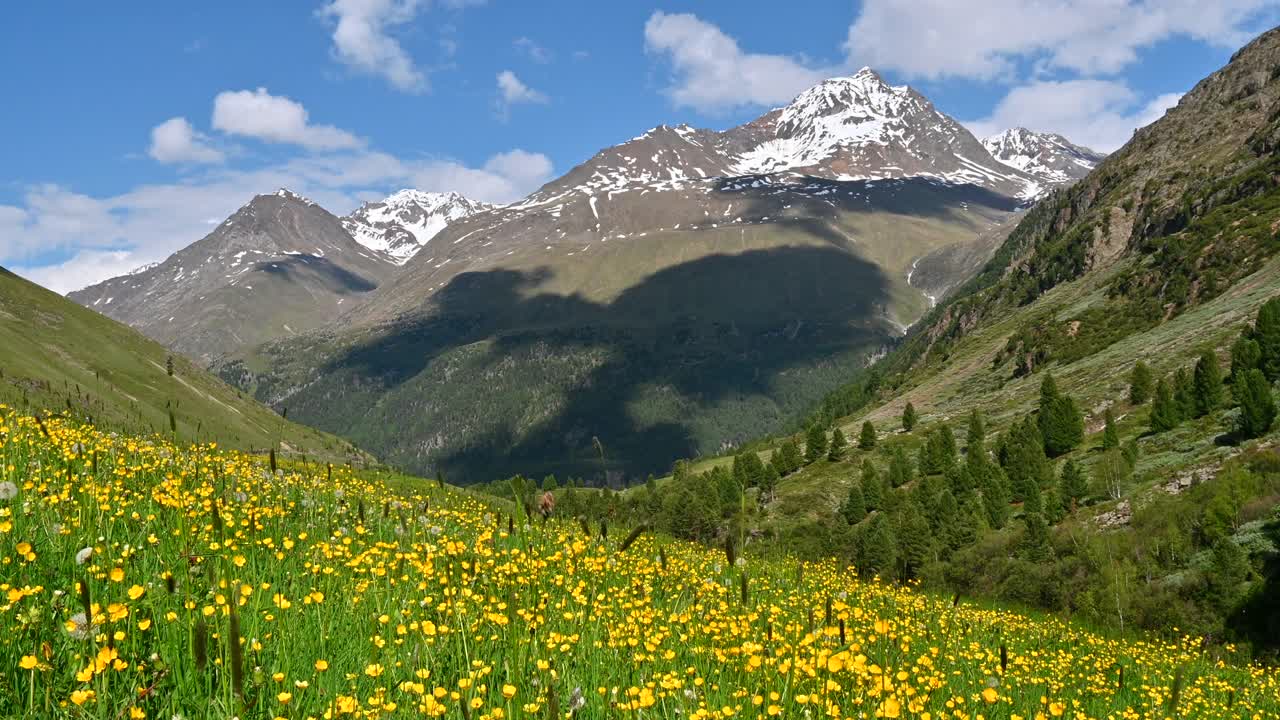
{"x":57,"y":356}
{"x":208,"y":587}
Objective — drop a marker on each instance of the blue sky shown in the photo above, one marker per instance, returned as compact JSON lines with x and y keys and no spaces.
{"x":130,"y":129}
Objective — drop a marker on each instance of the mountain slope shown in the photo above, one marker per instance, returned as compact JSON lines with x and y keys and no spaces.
{"x":57,"y":356}
{"x":1165,"y":254}
{"x":654,"y":301}
{"x":280,"y":265}
{"x":1048,"y":157}
{"x":400,"y":224}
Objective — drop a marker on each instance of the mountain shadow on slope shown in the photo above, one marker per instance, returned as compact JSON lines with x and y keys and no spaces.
{"x":499,"y":378}
{"x":297,"y":268}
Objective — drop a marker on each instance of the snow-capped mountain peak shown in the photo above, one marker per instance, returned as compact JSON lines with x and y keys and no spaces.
{"x":400,"y":224}
{"x":1046,"y":156}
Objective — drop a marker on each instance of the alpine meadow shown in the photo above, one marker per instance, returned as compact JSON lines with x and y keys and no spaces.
{"x":921,"y":362}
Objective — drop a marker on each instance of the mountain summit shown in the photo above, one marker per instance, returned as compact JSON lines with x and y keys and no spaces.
{"x":1047,"y":156}
{"x":400,"y":224}
{"x":281,"y":264}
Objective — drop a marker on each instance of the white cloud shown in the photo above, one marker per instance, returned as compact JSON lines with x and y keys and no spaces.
{"x":273,"y":118}
{"x":175,"y":141}
{"x":1101,"y":114}
{"x":986,"y":40}
{"x":361,"y":39}
{"x":711,"y":73}
{"x":67,"y":240}
{"x":70,"y":275}
{"x":533,"y":50}
{"x":512,"y":91}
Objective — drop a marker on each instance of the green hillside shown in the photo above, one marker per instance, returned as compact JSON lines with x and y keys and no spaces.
{"x":57,"y":356}
{"x":1009,"y":484}
{"x":616,"y":362}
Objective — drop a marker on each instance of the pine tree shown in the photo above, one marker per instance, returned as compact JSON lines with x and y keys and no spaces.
{"x":1266,"y":331}
{"x":1165,"y":413}
{"x":867,"y":438}
{"x":946,"y":512}
{"x":1026,"y":465}
{"x":1110,"y":435}
{"x":909,"y":417}
{"x":791,"y":459}
{"x":768,"y":482}
{"x":815,"y":444}
{"x":872,"y":487}
{"x":1207,"y":384}
{"x":854,"y":507}
{"x":1060,"y":421}
{"x":836,"y":450}
{"x":1245,"y":356}
{"x":969,"y":523}
{"x":1257,"y":406}
{"x":1184,"y":394}
{"x":976,"y":437}
{"x":938,"y":452}
{"x":915,"y":540}
{"x":1140,"y":383}
{"x":879,"y":548}
{"x":1072,"y":485}
{"x":753,"y":469}
{"x":900,"y":472}
{"x":995,"y":500}
{"x":1035,"y":540}
{"x":1053,"y":503}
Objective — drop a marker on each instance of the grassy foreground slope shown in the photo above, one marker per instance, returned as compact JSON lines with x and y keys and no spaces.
{"x":58,"y":356}
{"x":146,"y":580}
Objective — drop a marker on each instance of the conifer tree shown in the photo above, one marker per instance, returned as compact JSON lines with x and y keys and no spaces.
{"x":854,"y":507}
{"x":836,"y":449}
{"x":1140,"y":383}
{"x":872,"y":487}
{"x":1165,"y":413}
{"x":1245,"y":356}
{"x":1060,"y":422}
{"x":1026,"y":465}
{"x":900,"y":472}
{"x":1110,"y":435}
{"x":969,"y":523}
{"x":769,"y":482}
{"x":995,"y":499}
{"x":1129,"y":451}
{"x":1207,"y":384}
{"x":879,"y":548}
{"x":915,"y":540}
{"x":1035,"y":540}
{"x":976,"y":436}
{"x":946,"y":512}
{"x":1184,"y":394}
{"x":791,"y":458}
{"x":1053,"y":512}
{"x":867,"y":438}
{"x":1266,"y":331}
{"x":909,"y":417}
{"x":1257,"y":406}
{"x":815,"y":444}
{"x":1072,"y":485}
